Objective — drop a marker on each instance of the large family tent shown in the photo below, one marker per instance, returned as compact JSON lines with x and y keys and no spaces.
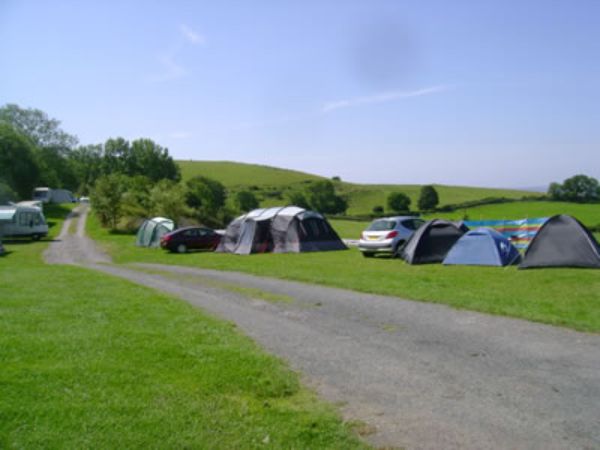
{"x":279,"y":230}
{"x":562,"y":242}
{"x":483,"y":247}
{"x":431,"y":242}
{"x":152,"y":230}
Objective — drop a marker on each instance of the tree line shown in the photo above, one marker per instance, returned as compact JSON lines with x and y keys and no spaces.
{"x":126,"y":180}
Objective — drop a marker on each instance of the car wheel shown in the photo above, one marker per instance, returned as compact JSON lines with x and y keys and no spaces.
{"x":35,"y":237}
{"x":181,"y":248}
{"x":397,"y":249}
{"x":368,"y":254}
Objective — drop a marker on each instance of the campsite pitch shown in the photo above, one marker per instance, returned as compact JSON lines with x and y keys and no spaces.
{"x":565,"y":297}
{"x":416,"y":375}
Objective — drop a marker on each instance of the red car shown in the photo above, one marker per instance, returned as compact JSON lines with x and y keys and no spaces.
{"x":190,"y":238}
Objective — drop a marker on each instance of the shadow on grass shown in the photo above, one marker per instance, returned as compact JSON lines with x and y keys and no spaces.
{"x":122,"y":232}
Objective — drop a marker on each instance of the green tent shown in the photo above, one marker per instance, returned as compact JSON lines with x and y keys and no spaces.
{"x":152,"y":230}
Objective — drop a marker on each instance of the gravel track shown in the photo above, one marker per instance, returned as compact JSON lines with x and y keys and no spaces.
{"x":421,"y":376}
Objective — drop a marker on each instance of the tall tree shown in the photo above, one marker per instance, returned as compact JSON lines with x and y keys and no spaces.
{"x":579,"y":188}
{"x":153,"y":161}
{"x":107,"y":198}
{"x":37,"y":126}
{"x":428,"y":199}
{"x":322,"y":197}
{"x":19,"y":169}
{"x":398,"y":202}
{"x":205,"y":196}
{"x":245,"y":201}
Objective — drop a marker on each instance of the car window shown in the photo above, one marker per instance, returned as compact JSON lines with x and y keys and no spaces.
{"x":413,"y":224}
{"x":189,"y":233}
{"x":382,"y":225}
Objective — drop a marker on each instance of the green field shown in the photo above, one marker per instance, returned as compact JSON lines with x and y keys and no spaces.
{"x":92,"y":361}
{"x":236,"y":175}
{"x":361,"y":197}
{"x":588,"y":214}
{"x":566,"y":297}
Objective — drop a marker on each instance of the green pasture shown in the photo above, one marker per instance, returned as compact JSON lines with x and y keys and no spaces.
{"x":361,"y":197}
{"x":565,"y":297}
{"x":238,"y":175}
{"x":92,"y":361}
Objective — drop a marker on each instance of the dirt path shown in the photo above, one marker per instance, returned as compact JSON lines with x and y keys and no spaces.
{"x":419,"y":375}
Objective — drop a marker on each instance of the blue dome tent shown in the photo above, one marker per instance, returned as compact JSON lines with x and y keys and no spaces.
{"x":483,"y":247}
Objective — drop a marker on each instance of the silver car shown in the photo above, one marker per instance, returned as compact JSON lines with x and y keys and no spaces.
{"x":386,"y":235}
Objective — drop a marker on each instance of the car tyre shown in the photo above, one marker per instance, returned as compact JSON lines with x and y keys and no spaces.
{"x":181,"y":248}
{"x":368,"y":254}
{"x":36,"y":237}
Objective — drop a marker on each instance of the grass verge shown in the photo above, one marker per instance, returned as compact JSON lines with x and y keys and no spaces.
{"x":565,"y":297}
{"x":92,"y":361}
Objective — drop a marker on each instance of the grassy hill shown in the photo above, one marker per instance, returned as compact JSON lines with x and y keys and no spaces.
{"x":271,"y":185}
{"x":240,"y":175}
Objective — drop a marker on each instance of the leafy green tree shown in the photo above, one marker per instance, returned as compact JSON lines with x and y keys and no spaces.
{"x":246,"y":201}
{"x":140,"y":157}
{"x":428,"y":199}
{"x":153,"y":161}
{"x":167,"y":199}
{"x":205,"y":196}
{"x":579,"y":188}
{"x":107,"y":198}
{"x":136,"y":200}
{"x":86,"y":163}
{"x":321,"y":197}
{"x":6,"y":194}
{"x":297,"y":198}
{"x":378,"y":209}
{"x":51,"y":145}
{"x":398,"y":202}
{"x":19,"y":169}
{"x":36,"y":125}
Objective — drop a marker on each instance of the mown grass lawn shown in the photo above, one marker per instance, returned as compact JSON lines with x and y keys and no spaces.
{"x":92,"y":361}
{"x":565,"y":297}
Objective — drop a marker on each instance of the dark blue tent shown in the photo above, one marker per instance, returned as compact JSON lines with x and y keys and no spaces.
{"x":483,"y":247}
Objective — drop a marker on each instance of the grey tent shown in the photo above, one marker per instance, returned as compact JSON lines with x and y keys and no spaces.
{"x":562,"y":241}
{"x":152,"y":230}
{"x":279,"y":230}
{"x":432,"y":241}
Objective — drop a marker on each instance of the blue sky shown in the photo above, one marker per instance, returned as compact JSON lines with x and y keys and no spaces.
{"x":489,"y":93}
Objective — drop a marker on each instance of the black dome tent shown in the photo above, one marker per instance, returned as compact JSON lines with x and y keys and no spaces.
{"x":432,"y":241}
{"x":562,"y":241}
{"x":279,"y":230}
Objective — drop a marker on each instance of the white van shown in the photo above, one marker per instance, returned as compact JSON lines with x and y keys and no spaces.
{"x":22,"y":221}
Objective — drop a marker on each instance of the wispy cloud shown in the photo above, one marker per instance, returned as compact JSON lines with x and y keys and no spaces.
{"x":171,"y":69}
{"x":384,"y":97}
{"x":180,"y":135}
{"x":192,"y":36}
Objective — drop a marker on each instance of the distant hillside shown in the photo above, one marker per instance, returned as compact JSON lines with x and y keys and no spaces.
{"x":272,"y":183}
{"x":237,"y":175}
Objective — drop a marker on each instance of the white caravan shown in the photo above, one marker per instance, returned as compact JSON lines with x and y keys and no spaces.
{"x":47,"y":195}
{"x":22,"y":221}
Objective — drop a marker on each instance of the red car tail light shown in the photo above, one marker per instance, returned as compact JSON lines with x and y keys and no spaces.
{"x":392,"y":234}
